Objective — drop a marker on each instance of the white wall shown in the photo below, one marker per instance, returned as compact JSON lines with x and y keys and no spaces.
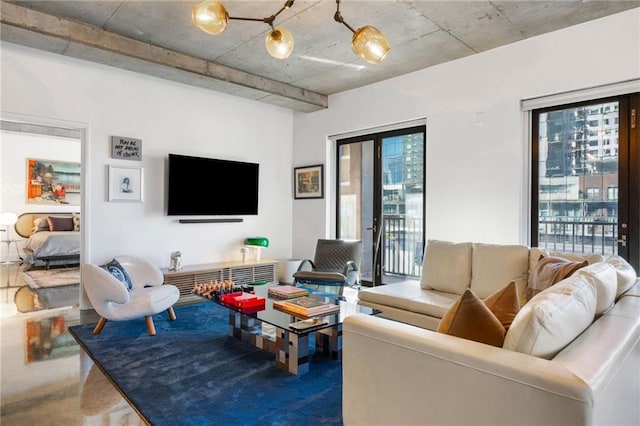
{"x":168,"y":117}
{"x":476,"y":175}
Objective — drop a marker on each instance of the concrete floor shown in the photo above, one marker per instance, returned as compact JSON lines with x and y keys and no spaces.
{"x":45,"y":378}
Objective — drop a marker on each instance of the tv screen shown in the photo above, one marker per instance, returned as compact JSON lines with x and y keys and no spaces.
{"x":209,"y":186}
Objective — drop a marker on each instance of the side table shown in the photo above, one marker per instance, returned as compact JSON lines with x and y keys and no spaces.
{"x":7,"y":255}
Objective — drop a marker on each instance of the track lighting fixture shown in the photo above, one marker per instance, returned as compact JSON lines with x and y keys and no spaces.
{"x":212,"y":17}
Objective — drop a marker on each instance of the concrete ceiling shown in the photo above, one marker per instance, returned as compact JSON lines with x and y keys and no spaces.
{"x":158,"y":38}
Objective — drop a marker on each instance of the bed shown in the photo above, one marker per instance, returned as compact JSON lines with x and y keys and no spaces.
{"x":53,"y":238}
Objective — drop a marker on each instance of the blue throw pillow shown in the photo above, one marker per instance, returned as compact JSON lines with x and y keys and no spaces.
{"x":115,"y":268}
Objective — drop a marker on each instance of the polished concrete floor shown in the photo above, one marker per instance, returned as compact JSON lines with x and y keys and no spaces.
{"x":45,"y":378}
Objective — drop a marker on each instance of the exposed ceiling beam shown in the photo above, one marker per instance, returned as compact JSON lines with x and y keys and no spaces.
{"x":31,"y":28}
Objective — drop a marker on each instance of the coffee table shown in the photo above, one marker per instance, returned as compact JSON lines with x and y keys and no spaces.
{"x":270,"y":329}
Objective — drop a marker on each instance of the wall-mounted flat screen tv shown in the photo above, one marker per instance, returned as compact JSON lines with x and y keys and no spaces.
{"x":201,"y":186}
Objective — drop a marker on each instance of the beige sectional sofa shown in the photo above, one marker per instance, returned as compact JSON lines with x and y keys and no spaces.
{"x":570,"y":357}
{"x":451,"y":268}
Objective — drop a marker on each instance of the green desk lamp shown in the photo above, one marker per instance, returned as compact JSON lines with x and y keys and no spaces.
{"x":256,"y":244}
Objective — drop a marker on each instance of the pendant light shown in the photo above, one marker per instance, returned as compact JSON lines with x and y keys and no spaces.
{"x":279,"y":43}
{"x":212,"y":17}
{"x":368,"y":42}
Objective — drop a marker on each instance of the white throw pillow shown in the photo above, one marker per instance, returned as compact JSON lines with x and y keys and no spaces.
{"x":493,"y":266}
{"x":447,"y":267}
{"x":626,"y":275}
{"x":553,"y":318}
{"x":603,"y":277}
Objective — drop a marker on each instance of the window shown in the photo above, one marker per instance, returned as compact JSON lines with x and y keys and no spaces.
{"x":593,"y":193}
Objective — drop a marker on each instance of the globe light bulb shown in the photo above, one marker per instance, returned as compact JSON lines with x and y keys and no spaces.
{"x":210,"y":16}
{"x":370,"y":44}
{"x":279,"y":43}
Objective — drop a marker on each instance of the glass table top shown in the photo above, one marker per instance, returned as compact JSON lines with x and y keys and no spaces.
{"x":283,"y":320}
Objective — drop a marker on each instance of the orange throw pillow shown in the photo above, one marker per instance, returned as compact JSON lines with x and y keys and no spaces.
{"x":504,"y":304}
{"x":469,"y":318}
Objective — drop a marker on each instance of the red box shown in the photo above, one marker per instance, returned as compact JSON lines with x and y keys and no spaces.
{"x":241,"y":300}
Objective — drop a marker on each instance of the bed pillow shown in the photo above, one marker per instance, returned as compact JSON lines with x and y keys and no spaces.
{"x":117,"y":270}
{"x":57,"y":223}
{"x":40,"y":224}
{"x":76,"y":222}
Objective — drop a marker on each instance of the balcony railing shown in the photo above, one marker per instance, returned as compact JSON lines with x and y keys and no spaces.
{"x":589,"y":236}
{"x":402,"y":246}
{"x":403,"y":243}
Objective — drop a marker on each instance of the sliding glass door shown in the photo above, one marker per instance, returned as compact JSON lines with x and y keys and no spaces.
{"x":380,"y":187}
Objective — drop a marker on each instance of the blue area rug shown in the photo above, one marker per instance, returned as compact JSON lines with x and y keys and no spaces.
{"x":192,"y":373}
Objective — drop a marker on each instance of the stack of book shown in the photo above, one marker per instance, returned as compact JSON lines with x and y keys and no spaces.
{"x":287,"y":292}
{"x":306,"y":307}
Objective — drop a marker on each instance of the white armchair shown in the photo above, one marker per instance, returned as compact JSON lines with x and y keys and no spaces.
{"x":114,"y":302}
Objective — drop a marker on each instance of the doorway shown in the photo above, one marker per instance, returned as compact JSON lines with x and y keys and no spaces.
{"x":586,"y":178}
{"x":27,"y":141}
{"x":380,"y":187}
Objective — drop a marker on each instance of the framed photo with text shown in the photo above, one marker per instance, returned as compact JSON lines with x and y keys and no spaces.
{"x":308,"y":182}
{"x":126,"y":184}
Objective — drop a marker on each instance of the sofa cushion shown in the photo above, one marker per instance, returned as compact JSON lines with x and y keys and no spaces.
{"x":603,"y":277}
{"x":553,"y":318}
{"x":505,"y":304}
{"x":550,"y":270}
{"x":626,"y":275}
{"x":469,"y":318}
{"x":408,"y":295}
{"x":447,"y":267}
{"x":494,"y":266}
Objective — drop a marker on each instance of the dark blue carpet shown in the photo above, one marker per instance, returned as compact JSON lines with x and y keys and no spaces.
{"x":192,"y":373}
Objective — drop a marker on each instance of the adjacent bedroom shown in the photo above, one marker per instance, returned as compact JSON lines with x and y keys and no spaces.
{"x":40,"y":229}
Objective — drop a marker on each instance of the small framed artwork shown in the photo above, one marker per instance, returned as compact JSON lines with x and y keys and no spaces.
{"x":125,"y":184}
{"x":308,"y":182}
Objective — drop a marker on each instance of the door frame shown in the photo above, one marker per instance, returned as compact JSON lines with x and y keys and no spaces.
{"x":628,"y":176}
{"x":376,"y":137}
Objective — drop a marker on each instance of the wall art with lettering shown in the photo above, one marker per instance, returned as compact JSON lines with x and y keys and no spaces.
{"x":126,"y":148}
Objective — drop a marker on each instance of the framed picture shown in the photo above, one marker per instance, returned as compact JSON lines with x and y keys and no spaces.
{"x":53,"y":182}
{"x":308,"y":182}
{"x":125,"y":184}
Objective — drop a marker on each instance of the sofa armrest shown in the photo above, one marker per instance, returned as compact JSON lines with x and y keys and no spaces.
{"x":441,"y":379}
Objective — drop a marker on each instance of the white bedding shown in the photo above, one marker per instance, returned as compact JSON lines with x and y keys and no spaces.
{"x":52,"y":243}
